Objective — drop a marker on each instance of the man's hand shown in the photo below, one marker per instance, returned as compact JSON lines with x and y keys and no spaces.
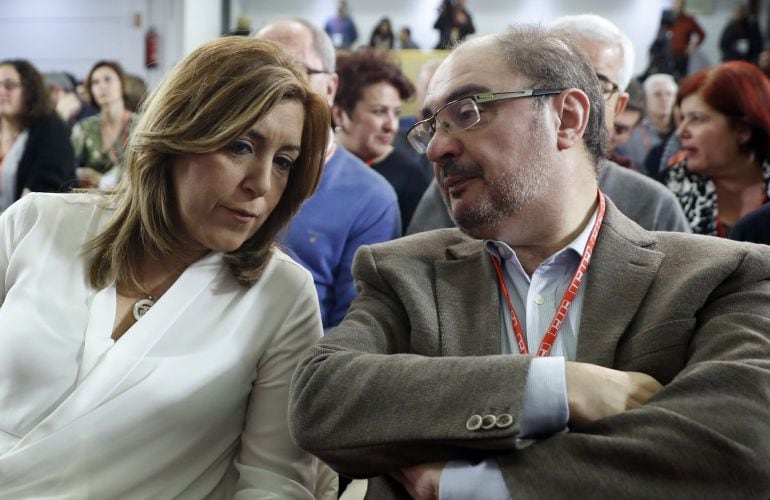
{"x":595,"y":392}
{"x":421,"y":481}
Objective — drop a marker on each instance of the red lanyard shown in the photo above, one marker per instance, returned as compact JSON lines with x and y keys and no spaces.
{"x":569,"y":294}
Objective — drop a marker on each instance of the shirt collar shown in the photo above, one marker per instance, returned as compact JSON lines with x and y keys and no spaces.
{"x":576,"y":246}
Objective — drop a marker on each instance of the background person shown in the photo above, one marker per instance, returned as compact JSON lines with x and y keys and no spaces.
{"x":741,"y":39}
{"x":382,"y":36}
{"x":366,"y":113}
{"x":658,"y":122}
{"x":353,"y":205}
{"x":35,"y":152}
{"x":725,"y":134}
{"x":100,"y":142}
{"x":686,"y":36}
{"x":341,"y":28}
{"x":172,"y":323}
{"x":454,"y":23}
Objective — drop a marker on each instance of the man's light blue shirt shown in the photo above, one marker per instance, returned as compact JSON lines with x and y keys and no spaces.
{"x":545,"y":396}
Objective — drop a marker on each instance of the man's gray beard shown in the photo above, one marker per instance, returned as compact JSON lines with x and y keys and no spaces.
{"x":507,"y":195}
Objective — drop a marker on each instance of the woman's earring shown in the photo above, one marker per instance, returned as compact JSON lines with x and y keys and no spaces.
{"x":338,"y":129}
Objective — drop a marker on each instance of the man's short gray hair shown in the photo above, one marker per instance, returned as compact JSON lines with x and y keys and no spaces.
{"x":659,"y":78}
{"x":549,"y":60}
{"x":600,"y":30}
{"x":322,"y":45}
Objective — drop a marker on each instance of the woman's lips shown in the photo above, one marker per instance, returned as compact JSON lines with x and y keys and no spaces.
{"x":243,"y":216}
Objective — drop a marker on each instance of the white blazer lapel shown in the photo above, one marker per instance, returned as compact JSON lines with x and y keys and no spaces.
{"x":112,"y":368}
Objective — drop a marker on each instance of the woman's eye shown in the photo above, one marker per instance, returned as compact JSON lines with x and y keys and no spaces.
{"x":240,"y":147}
{"x":283,"y":162}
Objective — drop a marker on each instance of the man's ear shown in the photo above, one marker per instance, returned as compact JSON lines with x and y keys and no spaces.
{"x":573,"y":109}
{"x":332,"y":83}
{"x":338,"y":117}
{"x":620,"y":104}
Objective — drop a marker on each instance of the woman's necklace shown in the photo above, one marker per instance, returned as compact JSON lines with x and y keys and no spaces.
{"x":141,"y":306}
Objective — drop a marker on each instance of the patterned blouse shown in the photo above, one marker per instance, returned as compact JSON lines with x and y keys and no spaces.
{"x":698,"y":197}
{"x":87,"y":144}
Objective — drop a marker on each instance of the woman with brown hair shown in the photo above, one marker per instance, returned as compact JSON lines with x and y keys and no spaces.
{"x":148,"y":335}
{"x":101,"y":141}
{"x":366,"y":113}
{"x":35,"y":153}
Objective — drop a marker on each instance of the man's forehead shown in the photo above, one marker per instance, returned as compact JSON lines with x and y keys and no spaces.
{"x":476,"y":68}
{"x":295,"y":38}
{"x":605,"y":57}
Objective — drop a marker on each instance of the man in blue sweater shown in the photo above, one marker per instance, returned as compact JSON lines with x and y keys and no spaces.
{"x":353,"y":205}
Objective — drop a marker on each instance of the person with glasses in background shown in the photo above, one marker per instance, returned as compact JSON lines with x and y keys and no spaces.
{"x":643,"y":200}
{"x":658,"y":122}
{"x":549,"y":347}
{"x":35,"y":151}
{"x":353,"y":205}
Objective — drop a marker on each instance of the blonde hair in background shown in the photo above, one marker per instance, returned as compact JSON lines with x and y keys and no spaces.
{"x":207,"y":100}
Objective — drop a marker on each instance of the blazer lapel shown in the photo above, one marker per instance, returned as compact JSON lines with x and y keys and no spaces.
{"x":622,"y":268}
{"x":117,"y":363}
{"x":467,"y":302}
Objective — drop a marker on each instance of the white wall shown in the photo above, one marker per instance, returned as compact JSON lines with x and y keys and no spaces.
{"x":73,"y":34}
{"x":638,"y":18}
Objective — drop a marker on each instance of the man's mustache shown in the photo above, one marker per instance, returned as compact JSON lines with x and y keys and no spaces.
{"x":450,"y":167}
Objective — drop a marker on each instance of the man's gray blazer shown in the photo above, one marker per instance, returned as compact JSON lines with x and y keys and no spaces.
{"x":419,"y":353}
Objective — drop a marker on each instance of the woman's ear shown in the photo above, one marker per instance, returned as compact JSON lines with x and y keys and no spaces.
{"x":572,"y":109}
{"x":742,"y":133}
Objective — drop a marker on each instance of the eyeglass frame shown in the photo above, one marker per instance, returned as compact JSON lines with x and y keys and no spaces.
{"x":613,"y":90}
{"x":476,"y":99}
{"x":10,"y":85}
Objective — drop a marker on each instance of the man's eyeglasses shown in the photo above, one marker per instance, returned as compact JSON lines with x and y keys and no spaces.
{"x":462,"y":114}
{"x":10,"y":84}
{"x":608,"y":87}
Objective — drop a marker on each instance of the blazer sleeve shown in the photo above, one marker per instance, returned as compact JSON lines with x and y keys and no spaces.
{"x":366,"y":400}
{"x":706,"y":434}
{"x":269,"y":463}
{"x":48,"y":162}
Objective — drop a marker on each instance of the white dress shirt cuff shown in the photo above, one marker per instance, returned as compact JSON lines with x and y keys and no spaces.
{"x":461,"y":480}
{"x":545,"y":399}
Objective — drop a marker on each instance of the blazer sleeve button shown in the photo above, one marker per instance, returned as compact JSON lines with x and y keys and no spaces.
{"x":504,"y":420}
{"x":473,"y":423}
{"x":488,"y":421}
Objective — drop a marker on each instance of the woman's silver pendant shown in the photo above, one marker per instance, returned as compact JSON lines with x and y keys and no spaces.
{"x":141,"y":307}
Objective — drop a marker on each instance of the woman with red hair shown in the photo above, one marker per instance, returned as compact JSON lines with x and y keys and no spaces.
{"x":725,"y":134}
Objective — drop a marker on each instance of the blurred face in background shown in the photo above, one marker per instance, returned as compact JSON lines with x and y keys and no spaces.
{"x":369,"y":130}
{"x":660,"y":99}
{"x":106,"y":86}
{"x":625,"y":123}
{"x":711,"y":143}
{"x":11,"y":92}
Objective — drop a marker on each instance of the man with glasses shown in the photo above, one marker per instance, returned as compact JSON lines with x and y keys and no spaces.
{"x":353,"y":205}
{"x":646,"y":202}
{"x":551,"y":347}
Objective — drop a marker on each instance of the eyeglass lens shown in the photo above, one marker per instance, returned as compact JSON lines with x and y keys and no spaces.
{"x":10,"y":84}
